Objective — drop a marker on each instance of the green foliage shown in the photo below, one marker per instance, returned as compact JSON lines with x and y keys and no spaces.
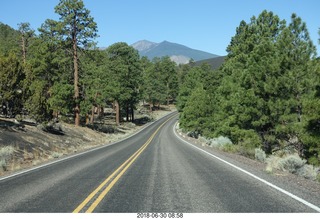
{"x":26,"y":35}
{"x":265,"y":95}
{"x":75,"y":23}
{"x":61,"y":94}
{"x":95,"y":80}
{"x":44,"y":69}
{"x":8,"y":39}
{"x":125,"y":76}
{"x":195,"y":77}
{"x":167,"y":69}
{"x":160,"y":81}
{"x":11,"y":82}
{"x":196,"y":111}
{"x":154,"y":86}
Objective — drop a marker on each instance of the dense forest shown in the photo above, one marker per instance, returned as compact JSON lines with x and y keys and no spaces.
{"x":266,"y":94}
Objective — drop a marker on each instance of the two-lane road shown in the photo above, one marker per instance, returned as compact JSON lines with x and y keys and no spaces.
{"x":153,"y":171}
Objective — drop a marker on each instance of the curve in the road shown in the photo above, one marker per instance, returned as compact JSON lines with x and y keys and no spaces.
{"x":102,"y":190}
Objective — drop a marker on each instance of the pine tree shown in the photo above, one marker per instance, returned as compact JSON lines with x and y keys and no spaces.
{"x":297,"y":80}
{"x":155,"y":88}
{"x":78,"y":29}
{"x":11,"y":83}
{"x":168,"y":75}
{"x":196,"y":112}
{"x":47,"y":65}
{"x":253,"y":65}
{"x":26,"y":34}
{"x":125,"y":76}
{"x":94,"y":81}
{"x":192,"y":78}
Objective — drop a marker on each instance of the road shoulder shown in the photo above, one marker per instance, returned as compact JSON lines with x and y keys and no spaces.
{"x":306,"y":189}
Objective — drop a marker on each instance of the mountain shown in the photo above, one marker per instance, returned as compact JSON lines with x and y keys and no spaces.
{"x":179,"y":53}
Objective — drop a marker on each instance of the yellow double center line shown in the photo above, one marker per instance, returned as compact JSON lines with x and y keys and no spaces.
{"x":93,"y":202}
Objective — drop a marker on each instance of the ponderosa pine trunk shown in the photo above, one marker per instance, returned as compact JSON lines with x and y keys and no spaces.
{"x":168,"y":101}
{"x":127,"y":113}
{"x":132,"y":113}
{"x":117,"y":108}
{"x":92,"y":114}
{"x":76,"y":80}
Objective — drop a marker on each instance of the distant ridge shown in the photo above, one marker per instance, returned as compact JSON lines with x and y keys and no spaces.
{"x":215,"y":63}
{"x":179,"y":53}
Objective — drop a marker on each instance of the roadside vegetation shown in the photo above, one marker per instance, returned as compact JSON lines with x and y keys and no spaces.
{"x":264,"y":100}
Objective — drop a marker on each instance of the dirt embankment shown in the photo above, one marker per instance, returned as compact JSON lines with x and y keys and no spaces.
{"x":23,"y":145}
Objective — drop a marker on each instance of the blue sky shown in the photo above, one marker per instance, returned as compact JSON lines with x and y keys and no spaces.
{"x":206,"y":25}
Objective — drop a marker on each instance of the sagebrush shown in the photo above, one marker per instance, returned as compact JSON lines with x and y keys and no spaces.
{"x":6,"y":154}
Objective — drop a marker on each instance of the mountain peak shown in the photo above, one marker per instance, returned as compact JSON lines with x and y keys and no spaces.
{"x":143,"y":45}
{"x":179,"y":53}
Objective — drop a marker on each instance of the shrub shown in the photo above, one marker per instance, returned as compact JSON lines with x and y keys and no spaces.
{"x":220,"y":142}
{"x":247,"y":141}
{"x":56,"y":154}
{"x":203,"y":140}
{"x":291,"y":163}
{"x":247,"y":152}
{"x":3,"y":165}
{"x":231,"y":148}
{"x":308,"y":172}
{"x":260,"y":155}
{"x":272,"y":163}
{"x":5,"y":155}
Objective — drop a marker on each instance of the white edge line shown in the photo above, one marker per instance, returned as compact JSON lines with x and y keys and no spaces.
{"x":81,"y":153}
{"x":314,"y":207}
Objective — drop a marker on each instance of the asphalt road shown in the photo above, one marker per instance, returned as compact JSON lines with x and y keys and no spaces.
{"x":153,"y":171}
